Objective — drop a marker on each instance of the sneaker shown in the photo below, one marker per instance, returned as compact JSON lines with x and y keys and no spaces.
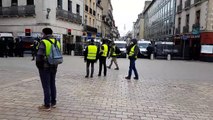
{"x":116,"y":68}
{"x":128,"y":78}
{"x":109,"y":67}
{"x":53,"y":105}
{"x":44,"y":108}
{"x":91,"y":76}
{"x":136,"y":78}
{"x":86,"y":76}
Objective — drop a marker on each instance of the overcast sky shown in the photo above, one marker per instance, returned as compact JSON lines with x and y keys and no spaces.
{"x":125,"y":12}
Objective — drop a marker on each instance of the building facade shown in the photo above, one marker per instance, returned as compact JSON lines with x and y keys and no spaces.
{"x":194,"y":28}
{"x":139,"y":27}
{"x":99,"y":18}
{"x":107,"y":18}
{"x":159,"y":18}
{"x":90,"y":29}
{"x":19,"y":16}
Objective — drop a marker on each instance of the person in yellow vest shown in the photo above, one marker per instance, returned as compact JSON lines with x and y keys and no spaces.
{"x":132,"y":52}
{"x":47,"y":72}
{"x":102,"y":57}
{"x":90,"y":57}
{"x":113,"y":55}
{"x":35,"y":48}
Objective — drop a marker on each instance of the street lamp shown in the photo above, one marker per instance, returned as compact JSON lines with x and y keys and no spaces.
{"x":48,"y":12}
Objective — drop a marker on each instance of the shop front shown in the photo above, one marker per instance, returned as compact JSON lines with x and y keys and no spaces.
{"x":188,"y":45}
{"x":206,"y":46}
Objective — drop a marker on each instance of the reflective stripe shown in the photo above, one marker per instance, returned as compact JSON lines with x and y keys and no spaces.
{"x":48,"y":45}
{"x":92,"y":52}
{"x":105,"y":51}
{"x":132,"y":51}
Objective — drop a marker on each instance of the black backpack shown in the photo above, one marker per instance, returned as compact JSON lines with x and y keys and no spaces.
{"x":117,"y":50}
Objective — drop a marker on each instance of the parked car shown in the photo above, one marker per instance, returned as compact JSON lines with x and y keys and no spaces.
{"x":6,"y":42}
{"x":122,"y":46}
{"x":143,"y":48}
{"x":27,"y":42}
{"x":162,"y":49}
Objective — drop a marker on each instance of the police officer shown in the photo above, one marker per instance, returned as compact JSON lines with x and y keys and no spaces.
{"x":35,"y":48}
{"x":102,"y":57}
{"x":132,"y":51}
{"x":47,"y":72}
{"x":90,"y":57}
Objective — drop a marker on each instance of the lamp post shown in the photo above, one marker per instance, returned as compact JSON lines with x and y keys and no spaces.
{"x":48,"y":12}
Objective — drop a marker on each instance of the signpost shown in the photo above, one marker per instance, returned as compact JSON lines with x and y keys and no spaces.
{"x":184,"y":44}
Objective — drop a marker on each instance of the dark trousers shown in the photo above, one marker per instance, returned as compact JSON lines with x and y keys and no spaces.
{"x":132,"y":67}
{"x":92,"y":67}
{"x":102,"y":62}
{"x":47,"y":76}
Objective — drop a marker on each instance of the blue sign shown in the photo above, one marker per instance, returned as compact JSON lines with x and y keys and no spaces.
{"x":184,"y":37}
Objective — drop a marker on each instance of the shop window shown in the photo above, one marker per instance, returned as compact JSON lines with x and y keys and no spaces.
{"x":30,"y":2}
{"x":208,"y":49}
{"x":14,"y":3}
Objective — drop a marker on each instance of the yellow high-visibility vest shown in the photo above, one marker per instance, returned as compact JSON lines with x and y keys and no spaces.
{"x":105,"y":50}
{"x":48,"y":45}
{"x":92,"y":52}
{"x":132,"y":51}
{"x":114,"y":54}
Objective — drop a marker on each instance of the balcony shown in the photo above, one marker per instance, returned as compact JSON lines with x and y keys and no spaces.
{"x":187,"y":4}
{"x":86,"y":8}
{"x":68,"y":16}
{"x":197,"y":2}
{"x":17,"y":11}
{"x":90,"y":28}
{"x":179,"y":8}
{"x":186,"y":29}
{"x":177,"y":30}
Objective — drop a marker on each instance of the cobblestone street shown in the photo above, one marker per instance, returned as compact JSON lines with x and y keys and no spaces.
{"x":166,"y":90}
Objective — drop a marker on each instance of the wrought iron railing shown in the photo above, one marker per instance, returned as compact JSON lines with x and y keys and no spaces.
{"x":27,"y":10}
{"x":68,"y":16}
{"x":186,"y":29}
{"x":187,"y":4}
{"x":177,"y":30}
{"x":179,"y":8}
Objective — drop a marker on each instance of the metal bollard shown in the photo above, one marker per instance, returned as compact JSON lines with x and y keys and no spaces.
{"x":152,"y":56}
{"x":72,"y":53}
{"x":168,"y":57}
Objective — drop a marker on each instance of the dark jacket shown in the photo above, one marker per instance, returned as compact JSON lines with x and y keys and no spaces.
{"x":136,"y":51}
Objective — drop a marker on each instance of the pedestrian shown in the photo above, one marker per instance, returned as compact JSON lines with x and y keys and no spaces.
{"x":90,"y":57}
{"x":132,"y":52}
{"x":150,"y":50}
{"x":113,"y":55}
{"x":34,"y":48}
{"x":102,"y":57}
{"x":47,"y":72}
